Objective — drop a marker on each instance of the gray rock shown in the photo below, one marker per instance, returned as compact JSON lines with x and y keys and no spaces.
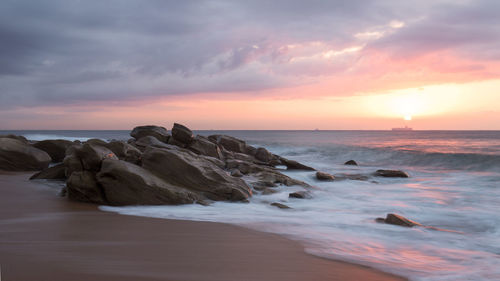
{"x":55,"y":148}
{"x":201,"y":145}
{"x":230,"y":143}
{"x":158,"y":132}
{"x":391,"y":174}
{"x":16,"y":155}
{"x":182,"y":134}
{"x":195,"y":173}
{"x":124,"y":183}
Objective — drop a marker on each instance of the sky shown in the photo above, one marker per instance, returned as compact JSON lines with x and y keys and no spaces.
{"x":68,"y":64}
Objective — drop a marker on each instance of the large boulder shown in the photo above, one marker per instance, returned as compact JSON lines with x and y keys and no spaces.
{"x":150,"y":130}
{"x":124,"y":183}
{"x":57,"y":172}
{"x":16,"y":155}
{"x":82,"y":186}
{"x":398,"y":220}
{"x":55,"y":148}
{"x":391,"y":174}
{"x":201,"y":145}
{"x":196,"y":173}
{"x":182,"y":134}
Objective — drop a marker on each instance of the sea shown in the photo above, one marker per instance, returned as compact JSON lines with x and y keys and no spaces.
{"x":454,"y":185}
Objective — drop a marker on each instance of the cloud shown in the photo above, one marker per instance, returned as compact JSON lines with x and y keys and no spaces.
{"x":70,"y":52}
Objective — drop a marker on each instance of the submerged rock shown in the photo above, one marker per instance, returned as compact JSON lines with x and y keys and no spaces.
{"x":351,"y":162}
{"x":55,"y":148}
{"x":57,"y":172}
{"x":357,"y":177}
{"x":158,"y":132}
{"x":324,"y":176}
{"x":17,"y":155}
{"x":391,"y":174}
{"x":300,"y":195}
{"x":269,"y":191}
{"x":279,"y":205}
{"x":398,"y":220}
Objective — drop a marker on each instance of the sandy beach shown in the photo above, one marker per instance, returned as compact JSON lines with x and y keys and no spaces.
{"x":46,"y":237}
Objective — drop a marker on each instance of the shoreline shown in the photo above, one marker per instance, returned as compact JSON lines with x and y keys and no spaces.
{"x":45,"y":237}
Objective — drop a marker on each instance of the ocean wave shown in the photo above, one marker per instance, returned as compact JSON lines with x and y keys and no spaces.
{"x":392,"y":157}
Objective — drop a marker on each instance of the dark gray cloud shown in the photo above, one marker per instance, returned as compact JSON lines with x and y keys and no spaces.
{"x":69,"y":51}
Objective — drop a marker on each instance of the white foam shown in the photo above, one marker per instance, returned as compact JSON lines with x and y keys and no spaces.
{"x":40,"y":137}
{"x":339,"y":223}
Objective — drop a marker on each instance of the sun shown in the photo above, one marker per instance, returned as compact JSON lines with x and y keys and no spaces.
{"x":408,"y":105}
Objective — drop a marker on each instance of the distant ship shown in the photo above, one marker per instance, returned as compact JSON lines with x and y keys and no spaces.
{"x":406,"y":128}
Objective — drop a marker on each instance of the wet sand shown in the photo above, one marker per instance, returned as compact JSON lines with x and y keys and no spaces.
{"x":44,"y":237}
